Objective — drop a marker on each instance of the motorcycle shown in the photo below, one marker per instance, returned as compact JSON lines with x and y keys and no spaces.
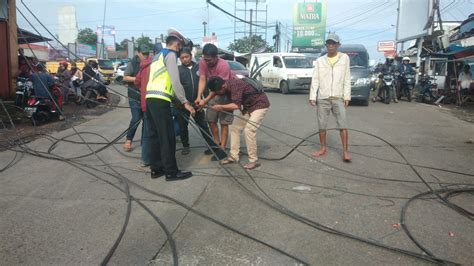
{"x":41,"y":110}
{"x":427,"y":84}
{"x":386,"y":88}
{"x":405,"y":85}
{"x":24,"y":89}
{"x":89,"y":92}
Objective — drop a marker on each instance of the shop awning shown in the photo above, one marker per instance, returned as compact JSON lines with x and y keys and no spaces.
{"x":25,"y":36}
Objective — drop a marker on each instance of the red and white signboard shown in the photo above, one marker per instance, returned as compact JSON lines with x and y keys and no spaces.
{"x":390,"y":54}
{"x":386,"y":46}
{"x":209,"y":39}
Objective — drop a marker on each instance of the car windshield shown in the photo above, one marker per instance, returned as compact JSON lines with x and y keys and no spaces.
{"x":236,"y":65}
{"x":297,"y":62}
{"x":106,"y":64}
{"x":358,"y":59}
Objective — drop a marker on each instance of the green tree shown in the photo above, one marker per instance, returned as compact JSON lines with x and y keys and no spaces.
{"x":118,"y":47}
{"x":87,"y":36}
{"x":144,"y":40}
{"x":250,"y":44}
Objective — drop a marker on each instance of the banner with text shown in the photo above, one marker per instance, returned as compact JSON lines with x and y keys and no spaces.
{"x":309,"y":25}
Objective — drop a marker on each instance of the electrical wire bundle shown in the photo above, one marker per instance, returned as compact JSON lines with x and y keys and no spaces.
{"x":247,"y":183}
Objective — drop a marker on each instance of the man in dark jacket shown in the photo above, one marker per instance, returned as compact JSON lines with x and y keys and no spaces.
{"x":188,"y":74}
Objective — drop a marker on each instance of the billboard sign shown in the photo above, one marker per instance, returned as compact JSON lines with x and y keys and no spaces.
{"x":386,"y":46}
{"x":309,"y":24}
{"x":109,"y":37}
{"x":415,"y":19}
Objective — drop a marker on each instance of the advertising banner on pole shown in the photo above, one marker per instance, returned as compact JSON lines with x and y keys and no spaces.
{"x":309,"y":25}
{"x":386,"y":46}
{"x":109,"y":37}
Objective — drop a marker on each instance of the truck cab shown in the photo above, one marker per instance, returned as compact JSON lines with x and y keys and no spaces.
{"x":283,"y":71}
{"x":106,"y":68}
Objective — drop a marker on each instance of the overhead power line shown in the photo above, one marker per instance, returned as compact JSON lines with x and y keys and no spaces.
{"x":235,"y":17}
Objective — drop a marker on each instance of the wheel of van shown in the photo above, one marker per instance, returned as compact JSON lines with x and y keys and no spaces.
{"x":284,"y":87}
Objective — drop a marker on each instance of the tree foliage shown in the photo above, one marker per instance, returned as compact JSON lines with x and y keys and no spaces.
{"x":87,"y":36}
{"x":250,"y":44}
{"x":143,"y":40}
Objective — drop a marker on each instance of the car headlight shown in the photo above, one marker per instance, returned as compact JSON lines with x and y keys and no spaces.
{"x":292,"y":76}
{"x":362,"y":82}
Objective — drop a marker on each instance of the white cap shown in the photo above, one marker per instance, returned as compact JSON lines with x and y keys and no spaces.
{"x":406,"y":58}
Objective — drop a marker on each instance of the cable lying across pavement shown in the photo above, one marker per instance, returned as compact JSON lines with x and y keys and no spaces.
{"x":283,"y":210}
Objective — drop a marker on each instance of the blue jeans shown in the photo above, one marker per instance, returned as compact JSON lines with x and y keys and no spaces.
{"x":137,"y":115}
{"x":145,"y":143}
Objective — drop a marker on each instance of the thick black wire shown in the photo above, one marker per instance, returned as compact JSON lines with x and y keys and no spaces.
{"x":76,"y":165}
{"x":455,"y":207}
{"x":129,"y":203}
{"x":38,"y":154}
{"x":69,"y":160}
{"x":407,"y":204}
{"x":283,"y":210}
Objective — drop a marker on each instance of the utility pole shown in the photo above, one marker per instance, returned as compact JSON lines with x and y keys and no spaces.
{"x":102,"y":50}
{"x":204,"y":24}
{"x":251,"y":15}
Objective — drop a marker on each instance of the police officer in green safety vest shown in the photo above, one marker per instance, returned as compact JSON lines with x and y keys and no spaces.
{"x":163,"y":88}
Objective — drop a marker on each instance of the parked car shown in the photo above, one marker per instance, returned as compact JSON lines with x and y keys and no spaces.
{"x":119,"y":73}
{"x":238,"y":69}
{"x":283,"y":71}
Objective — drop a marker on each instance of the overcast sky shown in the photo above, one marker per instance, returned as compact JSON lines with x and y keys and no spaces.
{"x":355,"y":21}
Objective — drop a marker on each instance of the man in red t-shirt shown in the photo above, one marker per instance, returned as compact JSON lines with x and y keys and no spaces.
{"x":211,"y":65}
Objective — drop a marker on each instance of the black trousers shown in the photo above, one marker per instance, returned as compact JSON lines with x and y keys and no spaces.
{"x":161,"y":136}
{"x":199,"y":118}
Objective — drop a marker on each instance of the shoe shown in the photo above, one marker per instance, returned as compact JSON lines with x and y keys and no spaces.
{"x":144,"y":165}
{"x":157,"y":173}
{"x":229,"y":160}
{"x":179,"y":176}
{"x":185,"y":151}
{"x":251,"y":165}
{"x":208,"y":152}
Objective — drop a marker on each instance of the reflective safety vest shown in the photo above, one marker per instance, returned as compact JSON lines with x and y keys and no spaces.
{"x":159,"y":83}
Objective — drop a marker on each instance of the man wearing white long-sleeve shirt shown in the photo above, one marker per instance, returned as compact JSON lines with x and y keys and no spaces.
{"x":331,"y":92}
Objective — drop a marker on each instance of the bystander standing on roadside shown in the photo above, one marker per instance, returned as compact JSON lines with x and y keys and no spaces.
{"x":331,"y":92}
{"x":133,"y":93}
{"x":141,"y":81}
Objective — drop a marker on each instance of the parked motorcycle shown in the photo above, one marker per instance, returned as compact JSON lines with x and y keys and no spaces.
{"x":426,"y":85}
{"x":41,"y":110}
{"x":406,"y":83}
{"x":24,"y":89}
{"x":89,"y":93}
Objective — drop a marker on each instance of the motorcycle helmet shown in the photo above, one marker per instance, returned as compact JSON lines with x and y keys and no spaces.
{"x":406,"y":58}
{"x":64,"y":64}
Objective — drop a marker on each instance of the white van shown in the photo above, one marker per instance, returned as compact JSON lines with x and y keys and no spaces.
{"x":284,"y":71}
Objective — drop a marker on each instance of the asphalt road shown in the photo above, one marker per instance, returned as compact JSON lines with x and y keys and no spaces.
{"x":72,"y":212}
